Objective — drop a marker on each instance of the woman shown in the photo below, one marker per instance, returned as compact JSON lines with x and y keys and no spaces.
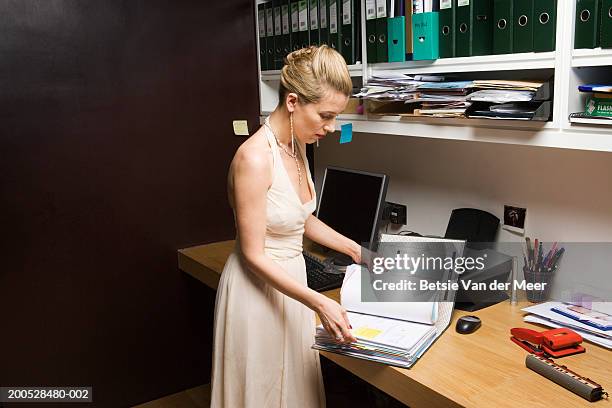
{"x":264,"y":320}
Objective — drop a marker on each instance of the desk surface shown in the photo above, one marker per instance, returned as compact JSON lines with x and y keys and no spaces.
{"x":484,"y":369}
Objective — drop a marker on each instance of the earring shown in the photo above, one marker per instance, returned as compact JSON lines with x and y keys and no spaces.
{"x":291,"y":127}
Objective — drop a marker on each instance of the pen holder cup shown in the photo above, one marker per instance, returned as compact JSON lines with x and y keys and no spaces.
{"x":540,"y":285}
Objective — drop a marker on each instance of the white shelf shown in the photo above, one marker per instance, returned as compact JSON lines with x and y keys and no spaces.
{"x":541,"y":134}
{"x":592,"y":57}
{"x":506,"y":62}
{"x":274,"y":75}
{"x":559,"y":133}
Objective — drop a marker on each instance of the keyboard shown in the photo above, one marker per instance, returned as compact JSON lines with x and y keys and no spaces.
{"x":318,"y":279}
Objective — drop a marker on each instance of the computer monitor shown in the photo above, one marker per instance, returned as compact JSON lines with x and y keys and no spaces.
{"x":352,"y":203}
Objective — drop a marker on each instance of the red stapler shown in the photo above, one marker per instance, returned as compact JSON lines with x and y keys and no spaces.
{"x":554,"y":343}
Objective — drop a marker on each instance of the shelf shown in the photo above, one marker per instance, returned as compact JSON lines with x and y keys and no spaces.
{"x":592,"y":57}
{"x":514,"y":132}
{"x":274,"y":75}
{"x":506,"y":62}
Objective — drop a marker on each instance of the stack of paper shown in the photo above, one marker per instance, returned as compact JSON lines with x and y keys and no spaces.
{"x":544,"y":314}
{"x":380,"y":339}
{"x":395,"y":333}
{"x":598,"y":108}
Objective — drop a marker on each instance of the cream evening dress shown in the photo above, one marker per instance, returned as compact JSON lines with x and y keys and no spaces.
{"x":261,"y":347}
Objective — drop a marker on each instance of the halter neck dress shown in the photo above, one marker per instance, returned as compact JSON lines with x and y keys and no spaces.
{"x":262,"y":354}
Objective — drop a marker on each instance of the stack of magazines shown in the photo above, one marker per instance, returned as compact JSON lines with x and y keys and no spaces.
{"x":390,"y":332}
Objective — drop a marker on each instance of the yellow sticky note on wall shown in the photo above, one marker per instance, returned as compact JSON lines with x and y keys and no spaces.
{"x":241,"y":128}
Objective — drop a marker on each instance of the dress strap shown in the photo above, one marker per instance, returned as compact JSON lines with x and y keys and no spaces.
{"x":271,"y":141}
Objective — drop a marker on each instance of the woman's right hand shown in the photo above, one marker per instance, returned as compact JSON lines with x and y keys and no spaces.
{"x":334,"y":319}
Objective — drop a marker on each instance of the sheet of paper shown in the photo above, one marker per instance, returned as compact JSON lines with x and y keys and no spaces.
{"x":543,"y":310}
{"x":350,"y":295}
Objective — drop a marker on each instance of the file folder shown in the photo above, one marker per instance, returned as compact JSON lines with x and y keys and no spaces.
{"x":447,"y":28}
{"x":473,"y":28}
{"x":587,"y":24}
{"x":503,"y":19}
{"x":278,"y":34}
{"x":304,"y":36}
{"x":397,"y":39}
{"x":382,"y":28}
{"x":270,"y":34}
{"x":408,"y":25}
{"x":523,"y":25}
{"x":545,"y":25}
{"x":371,"y":37}
{"x":286,"y":31}
{"x":295,"y":26}
{"x":323,"y":22}
{"x":606,"y":24}
{"x":334,"y":25}
{"x":263,"y":46}
{"x":350,"y":32}
{"x":482,"y":27}
{"x":313,"y":12}
{"x":425,"y":43}
{"x":462,"y":29}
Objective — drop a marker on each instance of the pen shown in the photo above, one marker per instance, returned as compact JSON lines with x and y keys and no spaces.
{"x":553,"y":250}
{"x":556,"y":257}
{"x":539,"y":266}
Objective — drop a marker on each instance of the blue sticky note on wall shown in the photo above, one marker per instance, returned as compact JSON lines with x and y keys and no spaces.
{"x":346,"y":133}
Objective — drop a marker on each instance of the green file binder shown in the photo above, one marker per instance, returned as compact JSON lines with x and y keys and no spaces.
{"x":606,"y":24}
{"x":304,"y":22}
{"x":350,"y":32}
{"x":447,"y":28}
{"x":473,"y":28}
{"x":523,"y":25}
{"x":270,"y":34}
{"x":382,"y":28}
{"x":263,"y":46}
{"x":482,"y":27}
{"x":587,"y":24}
{"x":313,"y":12}
{"x":371,"y":30}
{"x":397,"y":39}
{"x":278,"y":34}
{"x":503,"y":27}
{"x":323,"y":22}
{"x":425,"y":38}
{"x":286,"y":31}
{"x":334,"y":25}
{"x":462,"y":28}
{"x":295,"y":26}
{"x":545,"y":25}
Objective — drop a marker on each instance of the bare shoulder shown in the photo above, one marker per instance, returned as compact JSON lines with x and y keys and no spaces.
{"x":253,"y":159}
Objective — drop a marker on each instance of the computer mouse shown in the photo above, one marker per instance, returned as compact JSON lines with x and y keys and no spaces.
{"x":467,"y":324}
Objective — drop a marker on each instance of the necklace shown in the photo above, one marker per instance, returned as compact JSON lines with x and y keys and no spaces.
{"x":292,"y":154}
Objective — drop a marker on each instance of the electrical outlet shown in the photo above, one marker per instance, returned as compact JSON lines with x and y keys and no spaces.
{"x":395,"y":213}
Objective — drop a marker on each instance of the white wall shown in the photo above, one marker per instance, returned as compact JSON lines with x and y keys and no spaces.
{"x":567,"y":193}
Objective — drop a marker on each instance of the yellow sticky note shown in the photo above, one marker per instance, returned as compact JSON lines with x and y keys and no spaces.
{"x":366,"y":332}
{"x":241,"y":128}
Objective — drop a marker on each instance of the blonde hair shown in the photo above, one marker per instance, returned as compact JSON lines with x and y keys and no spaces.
{"x":311,"y":71}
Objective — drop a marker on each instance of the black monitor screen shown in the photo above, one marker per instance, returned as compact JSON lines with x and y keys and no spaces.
{"x":352,"y":202}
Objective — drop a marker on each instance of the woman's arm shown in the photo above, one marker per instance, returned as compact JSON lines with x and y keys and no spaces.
{"x":251,"y":180}
{"x":319,"y":232}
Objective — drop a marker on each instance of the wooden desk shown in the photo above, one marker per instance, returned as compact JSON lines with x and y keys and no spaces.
{"x":484,"y":369}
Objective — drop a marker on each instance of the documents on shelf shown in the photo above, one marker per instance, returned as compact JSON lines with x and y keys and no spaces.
{"x":395,"y":333}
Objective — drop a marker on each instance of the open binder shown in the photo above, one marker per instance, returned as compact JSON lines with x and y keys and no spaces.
{"x":389,"y":332}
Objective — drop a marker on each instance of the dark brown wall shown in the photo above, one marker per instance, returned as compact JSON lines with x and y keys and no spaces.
{"x":115,"y":138}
